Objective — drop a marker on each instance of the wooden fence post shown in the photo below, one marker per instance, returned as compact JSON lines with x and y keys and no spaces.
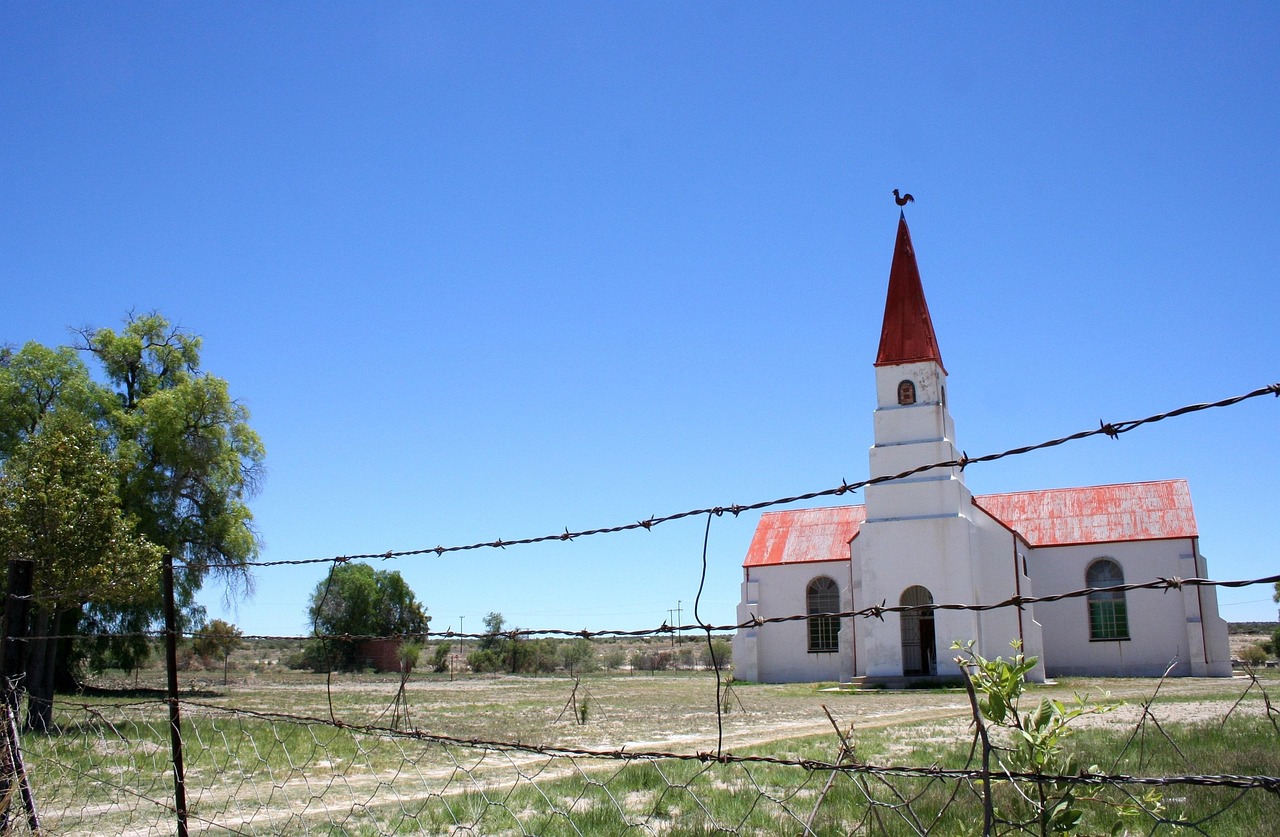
{"x":13,"y":664}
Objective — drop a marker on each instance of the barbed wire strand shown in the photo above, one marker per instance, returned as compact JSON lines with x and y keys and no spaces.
{"x":1110,"y":429}
{"x":870,"y":612}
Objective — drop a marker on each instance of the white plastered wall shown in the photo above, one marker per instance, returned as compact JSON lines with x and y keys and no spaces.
{"x":779,"y":652}
{"x":999,"y":577}
{"x":1178,"y":627}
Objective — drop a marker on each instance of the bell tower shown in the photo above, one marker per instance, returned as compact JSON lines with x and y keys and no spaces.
{"x":918,"y":540}
{"x":912,"y":424}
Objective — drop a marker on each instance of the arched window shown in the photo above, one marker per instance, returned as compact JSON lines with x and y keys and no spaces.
{"x":823,"y":597}
{"x":906,"y":392}
{"x":1108,"y":613}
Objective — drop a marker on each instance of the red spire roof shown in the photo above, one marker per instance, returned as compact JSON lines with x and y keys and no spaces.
{"x":907,"y":335}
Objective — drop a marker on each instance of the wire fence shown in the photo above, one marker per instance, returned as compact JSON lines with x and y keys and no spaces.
{"x":107,"y":767}
{"x":654,"y":752}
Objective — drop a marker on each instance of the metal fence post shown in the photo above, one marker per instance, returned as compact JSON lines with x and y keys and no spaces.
{"x":175,"y":719}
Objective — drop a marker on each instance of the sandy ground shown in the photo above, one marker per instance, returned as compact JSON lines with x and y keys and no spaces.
{"x":669,"y":712}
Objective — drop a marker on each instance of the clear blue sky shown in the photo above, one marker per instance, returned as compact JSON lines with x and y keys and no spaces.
{"x":501,"y":269}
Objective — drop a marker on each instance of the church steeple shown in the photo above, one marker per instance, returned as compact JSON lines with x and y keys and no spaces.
{"x":907,"y":334}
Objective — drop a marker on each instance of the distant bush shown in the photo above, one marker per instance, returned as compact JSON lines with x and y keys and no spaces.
{"x":487,"y":660}
{"x":652,"y":660}
{"x":722,"y":650}
{"x":578,"y":655}
{"x":440,"y":659}
{"x":311,"y":657}
{"x":1251,"y":627}
{"x":613,"y":658}
{"x":1254,"y":655}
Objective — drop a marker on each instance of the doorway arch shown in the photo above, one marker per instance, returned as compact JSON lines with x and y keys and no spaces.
{"x":919,"y":640}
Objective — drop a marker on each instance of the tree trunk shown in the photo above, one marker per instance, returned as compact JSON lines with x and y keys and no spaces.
{"x":66,"y":663}
{"x":44,"y":653}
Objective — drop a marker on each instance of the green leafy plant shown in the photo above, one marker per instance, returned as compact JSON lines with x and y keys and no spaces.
{"x":1034,"y":742}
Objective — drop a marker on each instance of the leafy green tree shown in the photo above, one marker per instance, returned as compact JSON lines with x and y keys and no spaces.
{"x":60,"y":510}
{"x":216,"y":641}
{"x":613,"y":658}
{"x":493,"y":625}
{"x":536,"y":655}
{"x":182,"y":458}
{"x":493,"y":651}
{"x":190,"y":460}
{"x":188,"y":464}
{"x":355,"y":600}
{"x":37,"y":381}
{"x":578,"y":655}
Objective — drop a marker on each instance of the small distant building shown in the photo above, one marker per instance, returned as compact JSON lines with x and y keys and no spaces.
{"x":927,"y":540}
{"x":382,"y":655}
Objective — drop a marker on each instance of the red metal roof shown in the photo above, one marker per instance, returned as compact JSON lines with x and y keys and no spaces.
{"x":798,"y":535}
{"x":1131,"y":511}
{"x":907,"y":334}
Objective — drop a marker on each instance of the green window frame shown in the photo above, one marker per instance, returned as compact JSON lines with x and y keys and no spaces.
{"x":822,"y":597}
{"x":1108,"y":609}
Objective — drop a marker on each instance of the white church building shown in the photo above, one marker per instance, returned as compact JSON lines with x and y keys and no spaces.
{"x":926,"y":540}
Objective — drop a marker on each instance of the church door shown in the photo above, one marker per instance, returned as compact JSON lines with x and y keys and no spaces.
{"x":919,"y":642}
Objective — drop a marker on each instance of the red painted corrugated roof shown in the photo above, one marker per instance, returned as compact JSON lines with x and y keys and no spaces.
{"x":1131,"y":511}
{"x":907,"y":334}
{"x":798,"y":535}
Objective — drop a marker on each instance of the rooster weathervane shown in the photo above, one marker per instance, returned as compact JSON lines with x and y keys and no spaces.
{"x":903,"y":200}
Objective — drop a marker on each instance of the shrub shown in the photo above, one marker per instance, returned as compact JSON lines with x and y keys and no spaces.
{"x":408,"y":655}
{"x":652,"y":660}
{"x":613,"y":658}
{"x":312,"y":656}
{"x":1253,"y":655}
{"x":440,"y":659}
{"x":722,"y":650}
{"x":490,"y":660}
{"x":578,"y":655}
